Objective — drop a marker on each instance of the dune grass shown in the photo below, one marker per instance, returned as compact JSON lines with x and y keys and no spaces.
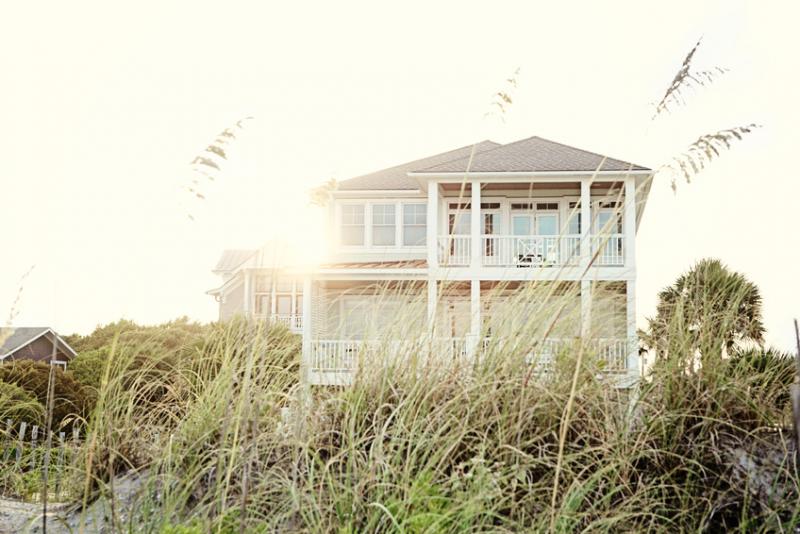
{"x":228,"y":441}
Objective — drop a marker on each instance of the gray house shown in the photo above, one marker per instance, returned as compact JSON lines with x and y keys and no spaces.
{"x":34,"y":343}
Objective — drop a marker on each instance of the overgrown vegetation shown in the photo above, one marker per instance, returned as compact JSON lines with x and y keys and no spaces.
{"x":231,"y":442}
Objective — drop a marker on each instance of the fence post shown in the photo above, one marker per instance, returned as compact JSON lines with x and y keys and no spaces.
{"x":60,"y":464}
{"x":7,"y":440}
{"x":34,"y":438}
{"x":22,"y":426}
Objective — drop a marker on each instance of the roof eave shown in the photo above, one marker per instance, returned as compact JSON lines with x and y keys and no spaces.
{"x":451,"y":174}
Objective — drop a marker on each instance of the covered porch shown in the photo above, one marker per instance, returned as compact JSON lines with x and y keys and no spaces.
{"x":351,"y":324}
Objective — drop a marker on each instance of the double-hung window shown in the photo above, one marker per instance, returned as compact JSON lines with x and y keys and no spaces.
{"x":383,"y":224}
{"x":353,"y":224}
{"x":415,"y":223}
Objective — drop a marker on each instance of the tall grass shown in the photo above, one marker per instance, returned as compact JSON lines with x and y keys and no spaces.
{"x":420,"y":443}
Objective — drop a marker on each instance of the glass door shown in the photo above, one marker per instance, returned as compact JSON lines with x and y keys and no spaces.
{"x":609,"y":232}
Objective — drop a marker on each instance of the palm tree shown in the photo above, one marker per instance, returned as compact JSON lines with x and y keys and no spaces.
{"x":707,"y":309}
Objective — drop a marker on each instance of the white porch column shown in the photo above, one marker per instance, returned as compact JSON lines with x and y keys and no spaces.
{"x":475,"y":226}
{"x":629,"y":227}
{"x":248,"y":294}
{"x":272,"y":300}
{"x":433,"y":297}
{"x":586,"y":223}
{"x":629,"y":224}
{"x":586,"y":257}
{"x":432,"y":229}
{"x":473,"y":339}
{"x":633,"y":338}
{"x":586,"y":308}
{"x":305,"y":363}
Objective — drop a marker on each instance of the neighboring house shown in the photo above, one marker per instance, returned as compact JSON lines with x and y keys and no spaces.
{"x":34,"y":343}
{"x":457,"y":229}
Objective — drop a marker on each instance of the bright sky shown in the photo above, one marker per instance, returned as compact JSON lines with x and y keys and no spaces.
{"x":104,"y":105}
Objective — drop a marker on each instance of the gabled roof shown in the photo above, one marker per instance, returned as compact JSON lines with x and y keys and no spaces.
{"x":534,"y":154}
{"x":396,"y":178}
{"x":14,"y":339}
{"x":231,"y":259}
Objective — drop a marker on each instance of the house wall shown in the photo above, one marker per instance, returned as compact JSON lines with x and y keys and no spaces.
{"x":39,"y":350}
{"x":362,"y":310}
{"x":232,"y":303}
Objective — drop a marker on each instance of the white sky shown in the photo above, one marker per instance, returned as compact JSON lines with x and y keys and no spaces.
{"x":103,"y":107}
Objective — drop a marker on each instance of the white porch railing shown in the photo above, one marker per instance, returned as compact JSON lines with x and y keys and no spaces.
{"x":454,"y":250}
{"x":336,"y":356}
{"x":611,"y":249}
{"x":612,"y":351}
{"x":531,"y":251}
{"x":335,"y":361}
{"x":292,"y":321}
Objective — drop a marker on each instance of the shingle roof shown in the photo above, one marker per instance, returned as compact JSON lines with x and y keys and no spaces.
{"x":18,"y":337}
{"x":13,"y":338}
{"x":231,"y":259}
{"x":396,"y":178}
{"x":534,"y":154}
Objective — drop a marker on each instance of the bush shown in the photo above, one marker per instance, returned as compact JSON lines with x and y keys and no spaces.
{"x":70,"y":397}
{"x":176,"y":335}
{"x":19,"y":405}
{"x":87,"y":368}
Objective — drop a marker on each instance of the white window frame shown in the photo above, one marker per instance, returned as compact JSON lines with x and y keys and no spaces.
{"x":373,"y":225}
{"x":368,"y":243}
{"x":424,"y":225}
{"x":341,"y":224}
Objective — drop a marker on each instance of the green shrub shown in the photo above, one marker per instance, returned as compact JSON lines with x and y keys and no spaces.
{"x":70,"y":399}
{"x":19,"y":405}
{"x":87,"y":368}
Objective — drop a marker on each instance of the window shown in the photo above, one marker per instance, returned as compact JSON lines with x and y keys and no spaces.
{"x":352,"y":224}
{"x":415,"y":220}
{"x":574,"y":223}
{"x":521,"y":224}
{"x":383,"y":224}
{"x":547,"y":224}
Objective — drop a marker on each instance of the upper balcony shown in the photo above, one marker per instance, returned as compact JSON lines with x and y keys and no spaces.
{"x":554,"y":226}
{"x":531,"y":250}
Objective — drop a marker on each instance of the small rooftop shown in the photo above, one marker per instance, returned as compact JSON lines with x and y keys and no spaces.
{"x":13,"y":338}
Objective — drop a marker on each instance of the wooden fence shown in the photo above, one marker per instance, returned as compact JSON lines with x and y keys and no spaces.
{"x":24,"y":454}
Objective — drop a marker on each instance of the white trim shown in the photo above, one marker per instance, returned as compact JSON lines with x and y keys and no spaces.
{"x":345,"y":192}
{"x":49,"y":330}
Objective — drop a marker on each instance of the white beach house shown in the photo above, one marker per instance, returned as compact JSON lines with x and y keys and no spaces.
{"x":460,"y":230}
